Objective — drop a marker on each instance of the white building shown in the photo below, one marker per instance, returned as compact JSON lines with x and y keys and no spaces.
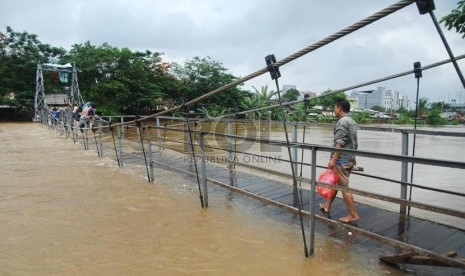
{"x":404,"y":103}
{"x":369,"y":98}
{"x":395,"y":100}
{"x":391,"y":100}
{"x":387,"y":99}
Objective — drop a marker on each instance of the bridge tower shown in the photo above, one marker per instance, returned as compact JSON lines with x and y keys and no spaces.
{"x":74,"y":94}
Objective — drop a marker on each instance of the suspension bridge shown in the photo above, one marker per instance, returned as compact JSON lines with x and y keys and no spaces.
{"x":142,"y":140}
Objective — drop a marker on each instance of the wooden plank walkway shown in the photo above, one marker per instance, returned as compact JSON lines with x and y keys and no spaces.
{"x":418,"y":232}
{"x":425,"y":234}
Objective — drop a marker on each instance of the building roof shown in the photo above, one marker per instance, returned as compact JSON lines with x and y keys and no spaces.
{"x":56,"y":99}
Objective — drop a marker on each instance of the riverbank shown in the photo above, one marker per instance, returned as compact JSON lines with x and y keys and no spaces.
{"x":12,"y":114}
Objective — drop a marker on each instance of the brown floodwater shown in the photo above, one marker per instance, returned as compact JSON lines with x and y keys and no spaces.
{"x":65,"y":211}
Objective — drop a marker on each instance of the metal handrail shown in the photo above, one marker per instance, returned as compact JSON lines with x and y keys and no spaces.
{"x":307,"y":146}
{"x":401,"y":158}
{"x":315,"y":148}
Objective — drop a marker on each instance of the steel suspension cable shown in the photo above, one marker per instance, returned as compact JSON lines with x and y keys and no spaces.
{"x":430,"y":66}
{"x":164,"y":136}
{"x":414,"y":141}
{"x":391,"y":9}
{"x":306,"y":100}
{"x":96,"y":144}
{"x":235,"y":145}
{"x":294,"y":181}
{"x":143,"y":150}
{"x":446,"y":45}
{"x":427,"y":67}
{"x":74,"y":133}
{"x":362,"y":23}
{"x":114,"y":144}
{"x":83,"y":140}
{"x":193,"y":155}
{"x":303,"y":142}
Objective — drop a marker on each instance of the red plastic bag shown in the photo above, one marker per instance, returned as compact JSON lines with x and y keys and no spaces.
{"x":329,"y":177}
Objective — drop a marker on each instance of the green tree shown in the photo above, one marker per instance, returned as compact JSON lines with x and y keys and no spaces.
{"x":199,"y":76}
{"x":327,"y":100}
{"x":422,"y":107}
{"x":456,"y":19}
{"x":259,"y":99}
{"x":441,"y":106}
{"x":299,"y":113}
{"x":19,"y":55}
{"x":264,"y":96}
{"x":363,"y":117}
{"x":291,"y":95}
{"x":404,"y":119}
{"x":251,"y":103}
{"x":276,"y":114}
{"x":119,"y":81}
{"x":434,"y":117}
{"x":377,"y":108}
{"x":212,"y":112}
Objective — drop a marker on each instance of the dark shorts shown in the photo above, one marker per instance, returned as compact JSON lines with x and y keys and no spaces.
{"x":344,"y":172}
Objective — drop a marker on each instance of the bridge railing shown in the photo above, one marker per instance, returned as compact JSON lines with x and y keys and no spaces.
{"x":202,"y":136}
{"x":150,"y":135}
{"x":132,"y":133}
{"x":403,"y":158}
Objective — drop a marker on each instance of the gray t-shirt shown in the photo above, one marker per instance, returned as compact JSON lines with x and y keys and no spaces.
{"x":345,"y":134}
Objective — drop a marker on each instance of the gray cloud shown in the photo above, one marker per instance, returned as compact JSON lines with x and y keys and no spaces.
{"x":241,"y":33}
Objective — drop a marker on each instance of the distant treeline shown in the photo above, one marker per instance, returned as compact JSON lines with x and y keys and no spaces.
{"x":120,"y":81}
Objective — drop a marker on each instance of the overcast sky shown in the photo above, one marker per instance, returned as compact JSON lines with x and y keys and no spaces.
{"x":240,"y":33}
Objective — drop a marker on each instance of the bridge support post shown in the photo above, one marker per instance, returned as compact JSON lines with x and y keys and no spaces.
{"x":39,"y":99}
{"x":188,"y":138}
{"x":75,"y":131}
{"x":122,"y":128}
{"x":313,"y":203}
{"x":67,"y":123}
{"x":100,"y":144}
{"x":294,"y":149}
{"x":61,"y":127}
{"x":69,"y":129}
{"x":404,"y":171}
{"x":149,"y":151}
{"x":230,"y":154}
{"x":158,"y":134}
{"x":294,"y":160}
{"x":203,"y":169}
{"x":86,"y":141}
{"x":138,"y":136}
{"x":120,"y":145}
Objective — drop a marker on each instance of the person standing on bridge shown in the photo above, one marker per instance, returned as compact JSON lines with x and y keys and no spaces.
{"x":87,"y":115}
{"x":55,"y":113}
{"x":345,"y":137}
{"x":91,"y":114}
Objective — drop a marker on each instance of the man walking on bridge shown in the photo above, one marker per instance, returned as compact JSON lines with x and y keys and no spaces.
{"x":345,"y":137}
